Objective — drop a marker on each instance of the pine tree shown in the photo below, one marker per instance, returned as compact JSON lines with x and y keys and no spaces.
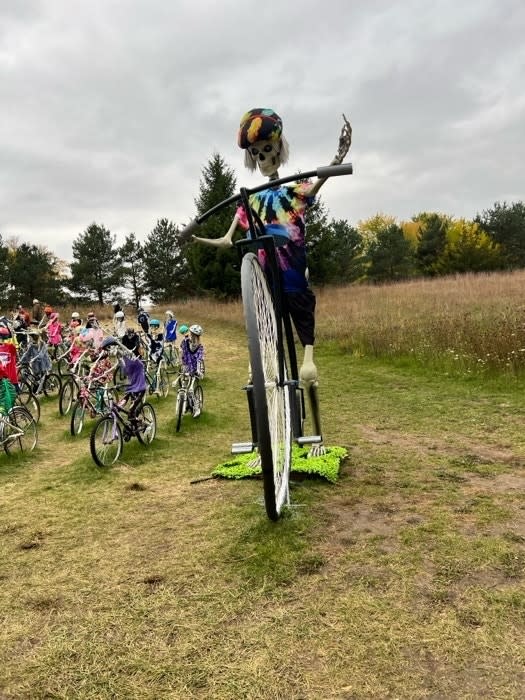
{"x":390,"y":255}
{"x":333,"y":248}
{"x":132,"y":255}
{"x":165,"y":266}
{"x":432,"y":239}
{"x":96,"y":269}
{"x":215,"y":270}
{"x":505,"y":224}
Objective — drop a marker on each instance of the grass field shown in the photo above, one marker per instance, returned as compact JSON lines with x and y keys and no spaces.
{"x":403,"y":580}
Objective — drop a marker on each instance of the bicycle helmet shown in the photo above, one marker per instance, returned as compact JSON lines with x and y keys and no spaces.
{"x":196,"y":329}
{"x":75,"y":314}
{"x":170,"y":313}
{"x":119,"y":314}
{"x":259,"y":125}
{"x":154,"y":323}
{"x":184,"y":328}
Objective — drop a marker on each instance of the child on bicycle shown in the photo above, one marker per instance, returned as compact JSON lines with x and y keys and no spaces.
{"x":192,"y":358}
{"x":133,"y":369}
{"x":170,"y":327}
{"x":53,"y":329}
{"x":131,"y":341}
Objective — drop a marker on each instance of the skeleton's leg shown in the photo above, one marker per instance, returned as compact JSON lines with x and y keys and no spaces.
{"x":308,"y":377}
{"x":256,"y":461}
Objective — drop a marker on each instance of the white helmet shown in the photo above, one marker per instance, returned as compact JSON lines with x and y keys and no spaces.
{"x":196,"y":329}
{"x":119,"y":314}
{"x":75,"y":314}
{"x":170,"y":313}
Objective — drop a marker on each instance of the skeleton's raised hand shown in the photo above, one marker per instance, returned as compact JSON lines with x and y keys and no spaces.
{"x":345,"y":140}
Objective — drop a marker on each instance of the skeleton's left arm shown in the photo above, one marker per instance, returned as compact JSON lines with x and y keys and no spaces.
{"x":345,"y":140}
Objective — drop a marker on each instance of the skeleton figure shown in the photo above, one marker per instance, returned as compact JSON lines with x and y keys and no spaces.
{"x":283,"y":210}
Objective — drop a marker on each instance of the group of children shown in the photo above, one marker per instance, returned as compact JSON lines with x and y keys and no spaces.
{"x":191,"y":347}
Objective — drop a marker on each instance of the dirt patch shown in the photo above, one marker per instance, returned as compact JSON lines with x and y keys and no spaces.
{"x":468,"y":452}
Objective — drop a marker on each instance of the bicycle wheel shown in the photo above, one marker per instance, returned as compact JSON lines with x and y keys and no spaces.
{"x":77,"y":417}
{"x":52,"y":384}
{"x":105,"y":441}
{"x":271,"y":393}
{"x":163,"y":382}
{"x":63,"y":366}
{"x":23,"y":431}
{"x":68,"y":395}
{"x":147,"y":424}
{"x":179,"y":409}
{"x":28,"y":400}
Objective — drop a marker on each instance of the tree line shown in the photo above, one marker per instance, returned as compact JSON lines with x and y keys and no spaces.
{"x":165,"y":266}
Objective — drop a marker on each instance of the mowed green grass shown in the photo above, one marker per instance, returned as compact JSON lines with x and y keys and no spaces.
{"x":405,"y":579}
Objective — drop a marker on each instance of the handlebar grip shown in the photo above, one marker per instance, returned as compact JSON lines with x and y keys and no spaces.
{"x":189,"y":230}
{"x":334,"y":170}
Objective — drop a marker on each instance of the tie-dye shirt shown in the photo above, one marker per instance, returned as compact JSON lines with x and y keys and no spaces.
{"x":282,"y":210}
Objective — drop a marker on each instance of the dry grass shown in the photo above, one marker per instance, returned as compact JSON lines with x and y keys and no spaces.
{"x":403,"y":580}
{"x":469,"y":323}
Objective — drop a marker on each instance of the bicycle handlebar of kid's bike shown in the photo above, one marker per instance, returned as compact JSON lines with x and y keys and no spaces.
{"x":322,"y":172}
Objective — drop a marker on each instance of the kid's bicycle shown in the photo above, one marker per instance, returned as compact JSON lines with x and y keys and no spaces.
{"x":189,"y":391}
{"x":119,"y":425}
{"x":275,"y":398}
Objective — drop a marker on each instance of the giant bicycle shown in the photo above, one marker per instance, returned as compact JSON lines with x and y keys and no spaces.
{"x":275,"y":398}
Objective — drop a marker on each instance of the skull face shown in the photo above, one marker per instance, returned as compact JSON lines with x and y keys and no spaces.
{"x":267,"y":156}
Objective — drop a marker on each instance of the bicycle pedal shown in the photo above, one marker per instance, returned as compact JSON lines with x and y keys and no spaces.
{"x":309,"y":440}
{"x":242,"y":448}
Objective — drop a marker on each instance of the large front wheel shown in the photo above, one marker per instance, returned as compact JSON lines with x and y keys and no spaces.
{"x":271,"y":392}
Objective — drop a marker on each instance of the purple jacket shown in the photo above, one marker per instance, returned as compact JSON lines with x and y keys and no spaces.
{"x":134,"y":371}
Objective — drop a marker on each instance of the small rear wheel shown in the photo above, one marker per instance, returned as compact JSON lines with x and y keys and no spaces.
{"x":147,"y":424}
{"x":23,"y":431}
{"x":52,"y":385}
{"x":28,"y":400}
{"x":68,"y":394}
{"x":77,"y":417}
{"x":105,"y":442}
{"x":163,"y":383}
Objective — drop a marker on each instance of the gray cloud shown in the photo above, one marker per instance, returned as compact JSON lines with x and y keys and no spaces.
{"x":110,"y":110}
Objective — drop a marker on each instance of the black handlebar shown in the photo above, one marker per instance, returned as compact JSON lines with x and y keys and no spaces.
{"x":322,"y":172}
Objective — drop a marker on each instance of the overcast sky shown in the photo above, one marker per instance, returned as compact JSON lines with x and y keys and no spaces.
{"x":111,"y":108}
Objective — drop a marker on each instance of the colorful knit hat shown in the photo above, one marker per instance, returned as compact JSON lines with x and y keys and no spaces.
{"x":259,"y":125}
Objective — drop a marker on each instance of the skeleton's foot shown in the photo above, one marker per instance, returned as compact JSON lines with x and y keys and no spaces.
{"x":255,"y":462}
{"x":317,"y":450}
